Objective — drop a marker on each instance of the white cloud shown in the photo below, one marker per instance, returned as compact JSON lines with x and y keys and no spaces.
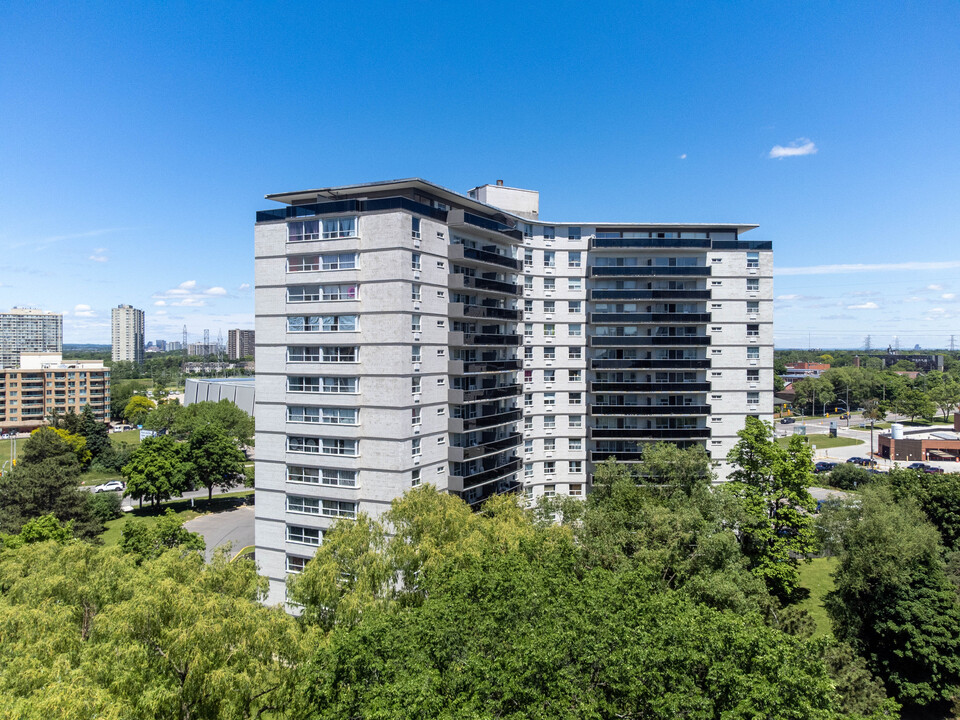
{"x":800,"y":146}
{"x":937,"y":310}
{"x":98,"y":258}
{"x":160,"y":302}
{"x":863,"y":306}
{"x":788,"y":297}
{"x":83,"y":311}
{"x":188,"y":285}
{"x":244,"y":286}
{"x":913,"y":299}
{"x":216,"y":291}
{"x":949,"y":296}
{"x":858,"y":267}
{"x":189,"y":302}
{"x":683,"y":157}
{"x":160,"y":312}
{"x":935,"y":288}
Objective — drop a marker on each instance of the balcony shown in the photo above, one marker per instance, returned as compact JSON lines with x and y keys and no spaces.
{"x":456,"y":338}
{"x":462,"y":425}
{"x":658,"y":340}
{"x":458,"y":281}
{"x":460,"y":310}
{"x":638,"y":294}
{"x":465,"y":454}
{"x":458,"y":483}
{"x":460,"y":253}
{"x":679,"y":318}
{"x":649,"y":409}
{"x":649,"y":271}
{"x":466,"y":367}
{"x":652,"y":434}
{"x":468,"y":222}
{"x":743,"y":245}
{"x":649,"y":364}
{"x":649,"y":387}
{"x":457,"y":397}
{"x":600,"y":243}
{"x":292,"y":212}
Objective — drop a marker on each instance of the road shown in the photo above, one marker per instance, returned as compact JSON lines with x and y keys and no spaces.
{"x":231,"y":526}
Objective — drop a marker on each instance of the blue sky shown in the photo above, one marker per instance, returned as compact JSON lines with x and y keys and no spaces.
{"x":137,"y":140}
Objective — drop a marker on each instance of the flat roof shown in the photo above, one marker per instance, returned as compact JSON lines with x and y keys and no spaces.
{"x":336,"y":192}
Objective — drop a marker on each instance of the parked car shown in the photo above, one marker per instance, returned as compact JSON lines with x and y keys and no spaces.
{"x":917,"y":466}
{"x":824,"y":466}
{"x":111,"y":486}
{"x":862,"y":462}
{"x":931,"y":470}
{"x":787,"y":421}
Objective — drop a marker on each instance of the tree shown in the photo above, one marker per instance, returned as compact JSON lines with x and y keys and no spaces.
{"x":894,"y":603}
{"x":41,"y":445}
{"x":937,"y":495}
{"x":945,"y":395}
{"x":163,"y":418}
{"x":39,"y":529}
{"x":155,"y":470}
{"x":234,"y":422}
{"x":848,"y":476}
{"x":771,"y":482}
{"x":90,"y":633}
{"x":813,"y":391}
{"x":914,"y":403}
{"x":213,"y":459}
{"x":97,"y":434}
{"x":151,"y":541}
{"x":137,"y":409}
{"x":686,"y":468}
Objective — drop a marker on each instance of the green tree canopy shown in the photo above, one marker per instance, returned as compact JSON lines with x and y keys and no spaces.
{"x":137,"y":409}
{"x":213,"y":459}
{"x":156,"y":470}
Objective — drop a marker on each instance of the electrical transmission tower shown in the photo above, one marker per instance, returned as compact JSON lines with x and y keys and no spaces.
{"x":953,"y":343}
{"x":896,"y":343}
{"x":220,"y":352}
{"x":866,"y":343}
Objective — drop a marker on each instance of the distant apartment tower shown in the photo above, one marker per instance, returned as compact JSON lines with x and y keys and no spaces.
{"x":160,"y":345}
{"x":240,"y":343}
{"x":409,"y":334}
{"x":174,"y":345}
{"x":27,"y":330}
{"x":127,"y":333}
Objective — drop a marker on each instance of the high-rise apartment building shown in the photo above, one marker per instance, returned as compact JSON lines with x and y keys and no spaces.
{"x":127,"y":332}
{"x":27,"y":330}
{"x":240,"y":343}
{"x":409,"y":334}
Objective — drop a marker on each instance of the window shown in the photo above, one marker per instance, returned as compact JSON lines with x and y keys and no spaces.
{"x":416,"y":416}
{"x":322,"y":323}
{"x":753,"y":353}
{"x":753,"y":398}
{"x":303,"y":231}
{"x":441,"y":440}
{"x":573,"y":259}
{"x":415,"y":228}
{"x":415,"y":477}
{"x":303,"y":293}
{"x":576,"y":489}
{"x":575,"y":307}
{"x":549,"y":490}
{"x":303,"y":536}
{"x":415,"y":325}
{"x":549,"y":353}
{"x":549,"y":259}
{"x":528,"y":258}
{"x":575,"y":353}
{"x":549,"y":306}
{"x":415,"y":292}
{"x":753,"y":284}
{"x":753,"y":331}
{"x":528,"y":283}
{"x":549,"y":330}
{"x":528,"y":400}
{"x":528,"y":376}
{"x":415,"y":353}
{"x":575,"y":375}
{"x":415,"y":385}
{"x":528,"y":423}
{"x":322,"y":476}
{"x":322,"y":446}
{"x":528,"y":329}
{"x":574,"y":284}
{"x":549,"y":375}
{"x":549,"y":284}
{"x":716,"y":306}
{"x":753,"y":376}
{"x":753,"y":306}
{"x":573,"y":233}
{"x":716,"y":397}
{"x":441,"y":352}
{"x":319,"y":506}
{"x":343,"y":227}
{"x":528,"y":353}
{"x":576,"y":398}
{"x":527,"y":473}
{"x":528,"y":446}
{"x":527,"y":230}
{"x":415,"y":450}
{"x":549,"y":232}
{"x":753,"y":259}
{"x":716,"y":283}
{"x":441,"y":265}
{"x":716,"y":373}
{"x":549,"y":422}
{"x":339,"y":354}
{"x":441,"y":294}
{"x":575,"y":444}
{"x":340,"y":261}
{"x":550,"y":444}
{"x":296,"y":564}
{"x":325,"y":416}
{"x":321,"y":353}
{"x":575,"y":330}
{"x":716,"y":351}
{"x":549,"y":399}
{"x":716,"y":328}
{"x":528,"y":306}
{"x":576,"y":421}
{"x":441,"y":323}
{"x":716,"y":260}
{"x":415,"y":261}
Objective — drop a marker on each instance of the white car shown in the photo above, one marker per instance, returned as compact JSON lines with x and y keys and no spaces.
{"x":112,"y":486}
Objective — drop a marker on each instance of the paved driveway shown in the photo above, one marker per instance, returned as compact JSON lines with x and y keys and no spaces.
{"x":234,"y":526}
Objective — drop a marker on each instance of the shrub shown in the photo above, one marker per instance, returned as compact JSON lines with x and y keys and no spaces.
{"x":105,"y":505}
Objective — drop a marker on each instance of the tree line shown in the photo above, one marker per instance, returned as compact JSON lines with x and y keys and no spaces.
{"x":656,"y":596}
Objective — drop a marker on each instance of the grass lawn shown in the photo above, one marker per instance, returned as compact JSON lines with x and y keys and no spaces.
{"x":5,"y":446}
{"x":227,"y":501}
{"x":817,"y":577}
{"x":823,"y":441}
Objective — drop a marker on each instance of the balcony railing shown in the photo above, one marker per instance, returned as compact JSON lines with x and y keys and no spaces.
{"x":652,"y":364}
{"x":462,"y":253}
{"x":630,"y":340}
{"x":679,"y":318}
{"x":649,"y":387}
{"x":686,"y":243}
{"x":456,"y":338}
{"x":458,"y":280}
{"x":465,"y":454}
{"x":456,"y":396}
{"x":649,"y":433}
{"x":485,"y":476}
{"x":456,"y":310}
{"x":632,"y":294}
{"x":650,"y":409}
{"x":461,"y":217}
{"x":461,"y":425}
{"x":649,"y":271}
{"x":292,"y":212}
{"x":467,"y":367}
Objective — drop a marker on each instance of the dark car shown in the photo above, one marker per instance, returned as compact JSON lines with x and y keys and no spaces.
{"x":787,"y":421}
{"x":917,"y":466}
{"x":824,"y":466}
{"x":856,"y":460}
{"x":930,"y":470}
